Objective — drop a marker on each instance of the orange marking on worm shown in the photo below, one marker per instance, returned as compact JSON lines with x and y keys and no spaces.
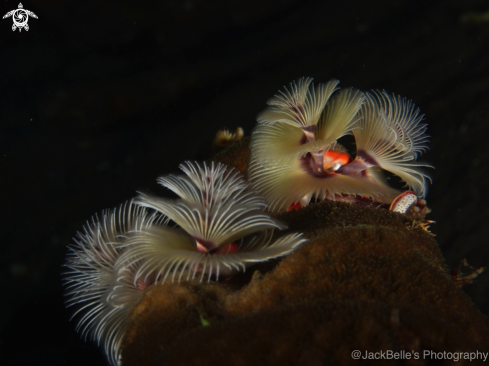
{"x":335,"y":159}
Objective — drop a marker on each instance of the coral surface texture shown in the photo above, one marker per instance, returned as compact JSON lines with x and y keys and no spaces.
{"x":367,"y":280}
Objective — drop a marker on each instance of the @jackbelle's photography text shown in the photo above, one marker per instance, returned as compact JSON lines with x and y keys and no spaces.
{"x":413,"y":355}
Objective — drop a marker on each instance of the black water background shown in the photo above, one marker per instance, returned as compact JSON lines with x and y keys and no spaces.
{"x":99,"y":99}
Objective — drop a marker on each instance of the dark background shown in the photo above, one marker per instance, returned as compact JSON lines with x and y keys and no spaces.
{"x":98,"y":99}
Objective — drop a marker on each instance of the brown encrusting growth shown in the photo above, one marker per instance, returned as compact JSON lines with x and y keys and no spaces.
{"x":366,"y":280}
{"x":235,"y":156}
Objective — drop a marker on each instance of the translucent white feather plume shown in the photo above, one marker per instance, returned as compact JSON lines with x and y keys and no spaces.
{"x":219,"y":224}
{"x":320,"y":122}
{"x":281,"y":144}
{"x":390,"y":135}
{"x":340,"y":115}
{"x":168,"y":253}
{"x":92,"y":282}
{"x":283,"y":186}
{"x":222,"y":227}
{"x":217,"y":205}
{"x":298,"y":105}
{"x":109,"y":326}
{"x":210,"y":183}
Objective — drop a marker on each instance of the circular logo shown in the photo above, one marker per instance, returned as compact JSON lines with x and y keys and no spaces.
{"x":20,"y":18}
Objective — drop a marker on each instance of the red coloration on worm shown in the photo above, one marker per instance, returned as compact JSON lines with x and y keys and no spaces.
{"x":228,"y":249}
{"x":208,"y":247}
{"x":143,"y":284}
{"x":294,"y":206}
